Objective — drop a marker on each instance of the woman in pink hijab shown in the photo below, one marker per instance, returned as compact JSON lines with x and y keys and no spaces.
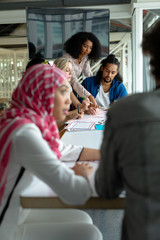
{"x":29,"y":145}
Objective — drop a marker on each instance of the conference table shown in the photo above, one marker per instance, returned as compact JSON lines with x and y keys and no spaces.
{"x":39,"y":195}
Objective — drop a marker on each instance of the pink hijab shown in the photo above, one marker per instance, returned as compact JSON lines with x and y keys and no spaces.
{"x":32,"y":102}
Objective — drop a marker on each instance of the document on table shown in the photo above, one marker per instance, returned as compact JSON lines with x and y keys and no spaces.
{"x":78,"y":125}
{"x":88,"y":122}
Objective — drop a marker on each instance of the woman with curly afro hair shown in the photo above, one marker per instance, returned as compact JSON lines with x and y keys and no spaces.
{"x":80,"y":49}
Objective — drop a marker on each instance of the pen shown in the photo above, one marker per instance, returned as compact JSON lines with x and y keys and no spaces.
{"x":78,"y":108}
{"x":87,"y":98}
{"x":82,"y":98}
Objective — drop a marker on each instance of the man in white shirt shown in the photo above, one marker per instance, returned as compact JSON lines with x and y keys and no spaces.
{"x":106,"y":87}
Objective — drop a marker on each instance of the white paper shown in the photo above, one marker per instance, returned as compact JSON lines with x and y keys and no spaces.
{"x":88,"y":122}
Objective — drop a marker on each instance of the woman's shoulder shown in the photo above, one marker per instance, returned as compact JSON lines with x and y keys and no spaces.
{"x":30,"y":137}
{"x":28,"y":129}
{"x":73,"y":60}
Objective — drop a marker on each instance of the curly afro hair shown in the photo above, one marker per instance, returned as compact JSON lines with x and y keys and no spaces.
{"x":74,"y":44}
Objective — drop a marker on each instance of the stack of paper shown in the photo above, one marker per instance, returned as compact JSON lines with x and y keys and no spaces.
{"x":88,"y":122}
{"x":79,"y":126}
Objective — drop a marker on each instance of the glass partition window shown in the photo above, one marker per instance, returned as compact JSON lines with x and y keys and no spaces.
{"x":12,"y":66}
{"x":48,"y":29}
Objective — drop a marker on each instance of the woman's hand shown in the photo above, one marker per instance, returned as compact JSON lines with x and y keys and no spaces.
{"x":85,"y":104}
{"x":83,"y":169}
{"x":74,"y":115}
{"x":80,"y":115}
{"x":93,"y":101}
{"x":92,"y":111}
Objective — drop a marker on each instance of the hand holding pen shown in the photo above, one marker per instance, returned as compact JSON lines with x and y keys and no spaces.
{"x":90,"y":110}
{"x":78,"y":108}
{"x":90,"y":107}
{"x":93,"y":101}
{"x":82,"y":107}
{"x":80,"y":112}
{"x":74,"y":115}
{"x":85,"y":104}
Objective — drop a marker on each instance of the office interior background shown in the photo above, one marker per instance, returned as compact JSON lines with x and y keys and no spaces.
{"x":128,"y":21}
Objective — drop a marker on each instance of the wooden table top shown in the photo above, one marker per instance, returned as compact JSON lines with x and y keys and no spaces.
{"x":55,"y":202}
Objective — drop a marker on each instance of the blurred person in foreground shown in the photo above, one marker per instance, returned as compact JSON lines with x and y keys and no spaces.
{"x":130,"y":153}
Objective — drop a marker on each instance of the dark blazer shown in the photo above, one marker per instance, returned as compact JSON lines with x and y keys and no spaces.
{"x":130,"y":159}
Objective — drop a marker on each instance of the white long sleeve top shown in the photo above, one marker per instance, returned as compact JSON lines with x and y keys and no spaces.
{"x":32,"y":152}
{"x":77,"y":69}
